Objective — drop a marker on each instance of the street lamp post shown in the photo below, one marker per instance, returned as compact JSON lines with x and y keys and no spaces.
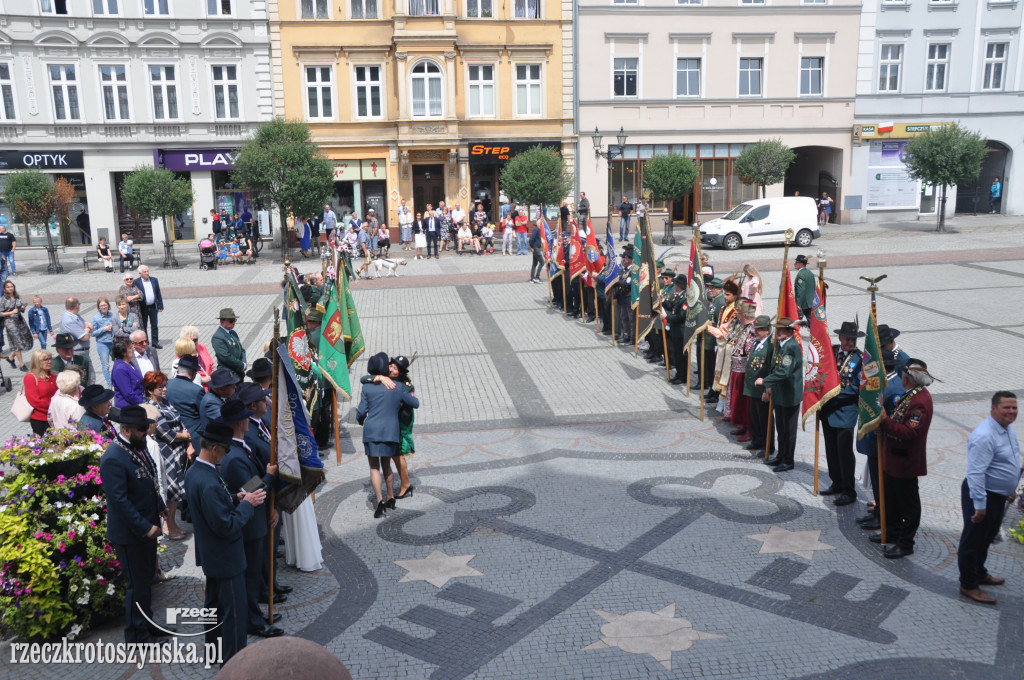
{"x":612,"y":152}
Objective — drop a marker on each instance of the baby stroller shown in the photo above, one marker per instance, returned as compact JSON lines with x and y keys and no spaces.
{"x":5,"y":382}
{"x":207,"y":255}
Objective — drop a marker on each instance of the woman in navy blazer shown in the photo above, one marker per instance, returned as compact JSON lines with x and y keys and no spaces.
{"x":378,"y":414}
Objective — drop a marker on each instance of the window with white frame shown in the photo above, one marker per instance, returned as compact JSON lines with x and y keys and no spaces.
{"x":364,"y":9}
{"x":423,"y":8}
{"x":478,"y":9}
{"x":314,"y":9}
{"x":751,"y":2}
{"x":527,"y":9}
{"x":218,"y":8}
{"x":225,"y":92}
{"x":481,"y":90}
{"x":814,"y":2}
{"x":995,"y":66}
{"x":105,"y":7}
{"x":688,"y":2}
{"x":59,"y":7}
{"x":426,"y":90}
{"x":624,"y":76}
{"x":6,"y":93}
{"x":369,"y":92}
{"x":164,"y":86}
{"x":812,"y":73}
{"x":64,"y":90}
{"x":750,"y":76}
{"x":153,"y":8}
{"x":114,"y":91}
{"x":688,"y":77}
{"x":936,"y":67}
{"x":319,"y":98}
{"x":890,"y":64}
{"x":625,"y":2}
{"x":528,"y":89}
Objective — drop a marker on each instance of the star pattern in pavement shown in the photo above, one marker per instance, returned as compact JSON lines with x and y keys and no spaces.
{"x":657,"y":633}
{"x":802,"y":543}
{"x":437,"y":568}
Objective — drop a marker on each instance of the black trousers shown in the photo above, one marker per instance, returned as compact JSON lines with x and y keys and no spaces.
{"x":604,"y":309}
{"x":148,"y":314}
{"x":254,"y":558}
{"x":786,"y":419}
{"x":138,"y":563}
{"x":976,"y":538}
{"x":708,"y":345}
{"x":432,"y":239}
{"x":538,"y":263}
{"x":654,"y":338}
{"x":624,"y":325}
{"x":677,"y":355}
{"x":228,"y":595}
{"x":902,"y":510}
{"x":839,"y":456}
{"x":759,"y":425}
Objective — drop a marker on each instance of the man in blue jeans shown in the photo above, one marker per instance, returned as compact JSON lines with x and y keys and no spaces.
{"x":993,"y":472}
{"x":8,"y":244}
{"x":625,"y":210}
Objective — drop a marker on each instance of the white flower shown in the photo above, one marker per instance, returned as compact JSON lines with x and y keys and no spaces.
{"x":94,"y":517}
{"x":84,"y":599}
{"x":75,"y":630}
{"x":85,"y":581}
{"x":73,"y":588}
{"x":110,"y":589}
{"x":3,"y":508}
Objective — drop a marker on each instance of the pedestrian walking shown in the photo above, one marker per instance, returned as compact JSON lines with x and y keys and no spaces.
{"x":625,"y":210}
{"x":995,"y":192}
{"x":103,"y":324}
{"x":19,"y":335}
{"x":39,"y":321}
{"x":8,"y":244}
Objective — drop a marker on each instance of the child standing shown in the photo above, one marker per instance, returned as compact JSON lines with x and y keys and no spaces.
{"x":39,"y":321}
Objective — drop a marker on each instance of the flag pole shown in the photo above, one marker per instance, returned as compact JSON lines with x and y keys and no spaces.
{"x":597,"y":311}
{"x":701,"y":378}
{"x":688,"y":364}
{"x":337,"y":439}
{"x":275,"y":362}
{"x":551,"y":295}
{"x":636,"y":334}
{"x":775,"y":338}
{"x":583,"y":302}
{"x":817,"y":414}
{"x":664,"y":344}
{"x":613,"y":320}
{"x":873,"y":288}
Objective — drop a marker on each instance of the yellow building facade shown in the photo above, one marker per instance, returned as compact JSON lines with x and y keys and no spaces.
{"x":424,"y":100}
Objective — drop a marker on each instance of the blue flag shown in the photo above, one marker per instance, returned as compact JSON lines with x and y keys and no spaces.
{"x":300,"y":469}
{"x":611,"y":271}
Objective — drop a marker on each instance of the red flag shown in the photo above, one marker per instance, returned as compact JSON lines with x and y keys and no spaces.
{"x":577,"y":261}
{"x":821,"y":376}
{"x":787,"y":302}
{"x":593,"y":256}
{"x":693,"y":259}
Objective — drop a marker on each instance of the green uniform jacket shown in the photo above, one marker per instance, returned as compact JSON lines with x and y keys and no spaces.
{"x":82,"y":362}
{"x":803,"y":289}
{"x":759,"y":365}
{"x":675,"y":314}
{"x":787,"y":375}
{"x":229,"y":351}
{"x":715,"y":313}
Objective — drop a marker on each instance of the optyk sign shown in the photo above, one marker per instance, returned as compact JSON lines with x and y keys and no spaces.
{"x":40,"y":160}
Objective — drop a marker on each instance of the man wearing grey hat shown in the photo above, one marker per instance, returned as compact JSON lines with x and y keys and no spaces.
{"x":784,"y":387}
{"x":716,"y":303}
{"x":759,"y":364}
{"x":227,"y":346}
{"x":222,"y":387}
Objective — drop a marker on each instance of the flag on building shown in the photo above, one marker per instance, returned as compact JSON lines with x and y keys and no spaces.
{"x":612,"y":271}
{"x":648,"y":304}
{"x":341,"y":338}
{"x":872,"y":381}
{"x":299,"y":467}
{"x":821,"y":375}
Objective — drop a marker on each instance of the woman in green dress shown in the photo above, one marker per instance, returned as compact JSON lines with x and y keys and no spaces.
{"x":398,"y":371}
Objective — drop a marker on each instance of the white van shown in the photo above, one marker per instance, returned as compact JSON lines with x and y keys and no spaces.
{"x":764,"y":220}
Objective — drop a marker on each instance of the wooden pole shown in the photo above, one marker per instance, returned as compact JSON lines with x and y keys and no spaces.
{"x":636,"y":334}
{"x":664,"y":344}
{"x":613,"y":321}
{"x":701,"y":378}
{"x":768,"y":434}
{"x":597,"y":310}
{"x":817,"y":445}
{"x":337,"y":439}
{"x":551,"y":295}
{"x":275,"y":362}
{"x":689,"y":358}
{"x":881,"y":484}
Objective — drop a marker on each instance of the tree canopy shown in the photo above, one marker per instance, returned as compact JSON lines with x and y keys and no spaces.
{"x":670,"y":177}
{"x":764,"y":162}
{"x":32,"y":199}
{"x":945,"y":157}
{"x":537,"y":176}
{"x":157,"y":192}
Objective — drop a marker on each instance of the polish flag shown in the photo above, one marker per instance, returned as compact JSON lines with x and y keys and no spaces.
{"x":885,"y":127}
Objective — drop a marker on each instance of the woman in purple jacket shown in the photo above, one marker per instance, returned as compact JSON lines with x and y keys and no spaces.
{"x":126,"y":378}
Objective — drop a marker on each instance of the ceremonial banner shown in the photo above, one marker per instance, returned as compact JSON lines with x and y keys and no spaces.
{"x":612,"y":273}
{"x":294,"y":305}
{"x":592,"y":254}
{"x":697,"y":317}
{"x":299,"y":467}
{"x":787,"y":303}
{"x":821,"y":376}
{"x":341,"y":339}
{"x":648,"y":304}
{"x":577,"y":260}
{"x":872,"y":382}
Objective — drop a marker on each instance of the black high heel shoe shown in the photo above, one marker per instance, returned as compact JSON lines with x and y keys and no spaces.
{"x":379,"y":512}
{"x":390,"y":503}
{"x":407,"y":494}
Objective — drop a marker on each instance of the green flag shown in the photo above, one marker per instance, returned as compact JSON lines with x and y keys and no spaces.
{"x":341,"y":338}
{"x":872,"y":382}
{"x":638,"y":249}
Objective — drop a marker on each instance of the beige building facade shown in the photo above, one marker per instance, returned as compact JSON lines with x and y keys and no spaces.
{"x":705,"y":79}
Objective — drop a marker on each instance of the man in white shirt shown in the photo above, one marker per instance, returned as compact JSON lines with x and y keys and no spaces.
{"x":458,"y":216}
{"x":151,"y":303}
{"x":144,"y":357}
{"x":330,"y":221}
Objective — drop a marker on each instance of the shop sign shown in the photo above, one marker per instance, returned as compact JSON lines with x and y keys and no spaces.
{"x":194,"y":159}
{"x":41,"y":160}
{"x":500,"y":153}
{"x":353,"y":170}
{"x":897,"y":130}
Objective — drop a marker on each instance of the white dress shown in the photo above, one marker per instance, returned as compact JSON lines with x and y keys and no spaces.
{"x":302,"y":548}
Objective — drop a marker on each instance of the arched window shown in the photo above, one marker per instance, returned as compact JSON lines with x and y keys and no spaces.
{"x":426,"y":90}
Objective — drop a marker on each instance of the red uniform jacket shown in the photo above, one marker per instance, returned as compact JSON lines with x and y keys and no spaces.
{"x":906,"y":441}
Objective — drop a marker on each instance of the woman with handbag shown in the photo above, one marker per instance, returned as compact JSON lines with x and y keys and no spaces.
{"x":176,"y":450}
{"x":18,"y":333}
{"x":39,"y":387}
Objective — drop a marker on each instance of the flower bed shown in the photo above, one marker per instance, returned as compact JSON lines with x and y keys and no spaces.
{"x":58,"y":573}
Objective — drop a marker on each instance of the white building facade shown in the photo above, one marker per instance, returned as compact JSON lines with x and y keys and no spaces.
{"x":924,"y":63}
{"x":92,"y":89}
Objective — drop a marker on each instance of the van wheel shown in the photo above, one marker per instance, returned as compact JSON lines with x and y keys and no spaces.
{"x":804,"y":238}
{"x":732,"y":242}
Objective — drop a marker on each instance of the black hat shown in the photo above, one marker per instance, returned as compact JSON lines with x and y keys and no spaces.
{"x":708,"y":278}
{"x":849,"y":330}
{"x":248,"y":393}
{"x":64,"y":341}
{"x":680,"y":280}
{"x":222,"y":377}
{"x":402,"y":362}
{"x":378,"y":364}
{"x":190,"y":362}
{"x":218,"y":433}
{"x":801,"y":258}
{"x":314,"y":315}
{"x":93,"y":395}
{"x":261,"y":368}
{"x":886,"y":334}
{"x":233,"y":411}
{"x":132,"y":415}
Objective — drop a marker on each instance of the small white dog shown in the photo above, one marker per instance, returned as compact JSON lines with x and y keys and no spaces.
{"x":386,"y":264}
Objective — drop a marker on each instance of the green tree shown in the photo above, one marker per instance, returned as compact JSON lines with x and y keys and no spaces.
{"x":764,"y":162}
{"x":281,"y":165}
{"x":948,"y":156}
{"x":670,"y":177}
{"x":32,"y":200}
{"x":157,"y":192}
{"x":537,"y":176}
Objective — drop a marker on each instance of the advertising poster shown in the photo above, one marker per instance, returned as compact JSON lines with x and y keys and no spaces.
{"x":889,"y":184}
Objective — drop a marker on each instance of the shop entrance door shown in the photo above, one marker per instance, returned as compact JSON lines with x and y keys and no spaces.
{"x":427,"y":185}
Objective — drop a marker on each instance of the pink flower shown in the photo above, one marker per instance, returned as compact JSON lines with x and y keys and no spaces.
{"x":61,"y":547}
{"x":39,"y":534}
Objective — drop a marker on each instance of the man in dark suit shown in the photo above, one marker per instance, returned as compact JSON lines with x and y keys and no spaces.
{"x":432,"y":227}
{"x":64,"y":343}
{"x":186,"y":396}
{"x":784,"y":388}
{"x":261,"y":373}
{"x":222,"y":387}
{"x":95,"y":399}
{"x":839,"y":416}
{"x":218,"y":524}
{"x":134,"y":510}
{"x":240,"y":467}
{"x":143,"y":357}
{"x":227,"y":346}
{"x":151,"y":304}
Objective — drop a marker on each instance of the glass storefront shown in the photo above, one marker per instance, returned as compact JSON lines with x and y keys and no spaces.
{"x":358,"y":186}
{"x":70,"y":226}
{"x":183,"y":225}
{"x":227,"y":198}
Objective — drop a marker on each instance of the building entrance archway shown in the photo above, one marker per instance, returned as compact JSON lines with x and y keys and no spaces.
{"x":816,"y":170}
{"x":976,"y":197}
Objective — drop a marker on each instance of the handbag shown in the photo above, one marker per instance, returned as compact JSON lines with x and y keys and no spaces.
{"x":21,"y":409}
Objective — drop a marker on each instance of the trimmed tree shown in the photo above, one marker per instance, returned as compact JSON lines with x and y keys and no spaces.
{"x":948,"y":156}
{"x":538,"y":176}
{"x":157,"y":192}
{"x":282,"y":166}
{"x":670,"y":178}
{"x":764,"y":162}
{"x":33,"y":199}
